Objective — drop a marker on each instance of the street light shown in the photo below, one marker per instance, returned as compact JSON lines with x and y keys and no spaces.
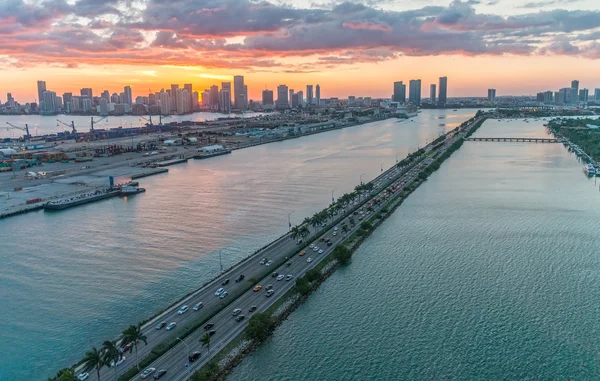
{"x":187,"y":348}
{"x":332,"y":199}
{"x":221,"y":260}
{"x":361,"y":175}
{"x":289,"y":219}
{"x":381,"y":167}
{"x":396,"y":159}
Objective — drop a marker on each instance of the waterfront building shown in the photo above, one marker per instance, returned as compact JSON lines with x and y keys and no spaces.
{"x":300,"y":97}
{"x":173,"y":97}
{"x":246,"y":99}
{"x":492,"y":95}
{"x":239,"y":92}
{"x":164,"y":101}
{"x":548,"y":98}
{"x":206,"y":98}
{"x":195,"y":96}
{"x":267,"y":99}
{"x":139,"y":100}
{"x":225,"y":100}
{"x":86,"y":105}
{"x":190,"y":91}
{"x":151,"y":99}
{"x":103,"y":107}
{"x":432,"y":92}
{"x":86,"y":92}
{"x":583,"y":95}
{"x":114,"y":98}
{"x":399,"y":92}
{"x":443,"y":91}
{"x":414,"y":96}
{"x":597,"y":96}
{"x":10,"y":100}
{"x":49,"y":102}
{"x":309,"y":95}
{"x":295,"y":100}
{"x":318,"y":95}
{"x":106,"y":95}
{"x":41,"y":87}
{"x":214,"y":98}
{"x":127,"y":96}
{"x":67,"y":97}
{"x":282,"y":97}
{"x":291,"y":96}
{"x":575,"y":84}
{"x":559,"y":97}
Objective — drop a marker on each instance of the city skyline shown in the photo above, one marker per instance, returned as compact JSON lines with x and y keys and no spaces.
{"x":81,"y":44}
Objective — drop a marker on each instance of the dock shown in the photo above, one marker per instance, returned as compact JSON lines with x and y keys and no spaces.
{"x":153,"y":171}
{"x":524,"y":140}
{"x":166,"y":163}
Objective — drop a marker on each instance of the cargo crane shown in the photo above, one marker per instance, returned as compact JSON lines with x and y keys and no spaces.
{"x":93,"y":122}
{"x":25,"y":129}
{"x":72,"y":125}
{"x":149,"y":120}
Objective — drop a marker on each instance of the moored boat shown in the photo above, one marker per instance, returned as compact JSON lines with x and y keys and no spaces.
{"x":129,"y":190}
{"x":589,"y":170}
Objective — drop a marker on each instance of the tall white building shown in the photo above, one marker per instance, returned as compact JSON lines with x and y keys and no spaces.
{"x":309,"y":94}
{"x":318,"y":95}
{"x":164,"y":101}
{"x":225,"y":100}
{"x":239,"y":92}
{"x":128,"y":96}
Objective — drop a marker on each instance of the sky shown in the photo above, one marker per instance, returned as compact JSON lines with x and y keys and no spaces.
{"x":358,"y":47}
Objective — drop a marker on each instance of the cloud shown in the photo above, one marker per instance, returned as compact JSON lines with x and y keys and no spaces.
{"x":258,"y":34}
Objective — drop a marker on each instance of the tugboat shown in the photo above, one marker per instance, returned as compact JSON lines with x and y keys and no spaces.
{"x":130,"y":190}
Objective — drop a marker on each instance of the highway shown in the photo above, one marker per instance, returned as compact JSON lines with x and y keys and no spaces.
{"x":226,"y":327}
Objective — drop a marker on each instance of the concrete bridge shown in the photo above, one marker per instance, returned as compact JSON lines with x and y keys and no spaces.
{"x":528,"y":140}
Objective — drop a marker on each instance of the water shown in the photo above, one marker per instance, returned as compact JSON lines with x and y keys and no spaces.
{"x":44,"y":124}
{"x":88,"y":272}
{"x":489,"y":271}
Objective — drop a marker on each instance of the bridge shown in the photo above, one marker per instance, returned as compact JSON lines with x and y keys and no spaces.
{"x":527,"y":140}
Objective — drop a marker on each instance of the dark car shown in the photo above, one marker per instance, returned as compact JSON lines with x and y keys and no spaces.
{"x":195,"y":356}
{"x":210,"y":333}
{"x":329,"y":243}
{"x":226,"y":281}
{"x":269,"y":286}
{"x":161,"y":325}
{"x":240,"y":318}
{"x":209,"y":326}
{"x":239,"y":278}
{"x":274,"y":274}
{"x":160,"y":373}
{"x":322,"y":239}
{"x":252,"y":309}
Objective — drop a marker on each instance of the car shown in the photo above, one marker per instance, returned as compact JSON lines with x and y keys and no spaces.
{"x":239,"y":278}
{"x":274,"y":274}
{"x":219,"y":291}
{"x":309,"y":260}
{"x":240,"y":318}
{"x":125,"y":348}
{"x":225,"y":282}
{"x":113,"y":363}
{"x":328,"y":240}
{"x":198,"y":306}
{"x":299,"y":242}
{"x":280,"y":277}
{"x":289,"y":277}
{"x":160,"y":373}
{"x":269,"y":286}
{"x":322,"y":239}
{"x":312,"y":245}
{"x":209,"y":326}
{"x":252,"y":309}
{"x":171,"y":326}
{"x":257,"y":288}
{"x":237,"y":311}
{"x":334,"y":234}
{"x":83,"y":376}
{"x":302,"y":253}
{"x":315,"y":248}
{"x":183,"y":310}
{"x":194,"y":356}
{"x":335,"y":228}
{"x":269,"y":263}
{"x":161,"y":325}
{"x":148,"y":372}
{"x":212,"y":332}
{"x":329,"y":243}
{"x":321,"y":251}
{"x":263,"y":261}
{"x":269,"y":293}
{"x":223,"y":295}
{"x":289,"y":264}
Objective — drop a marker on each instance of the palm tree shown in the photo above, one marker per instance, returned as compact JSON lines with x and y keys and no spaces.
{"x":295,"y":232}
{"x":111,"y":354}
{"x":344,"y":228}
{"x":133,"y":335}
{"x":314,"y":221}
{"x":304,"y":231}
{"x":205,"y":341}
{"x":94,"y":360}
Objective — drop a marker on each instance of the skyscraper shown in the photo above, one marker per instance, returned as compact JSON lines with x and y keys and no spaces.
{"x":318,"y":95}
{"x":300,"y":97}
{"x":267,"y":98}
{"x":128,"y":96}
{"x":548,"y":97}
{"x":225,"y":98}
{"x":597,"y":96}
{"x":173,"y":97}
{"x":106,"y":95}
{"x":291,"y":97}
{"x":575,"y":84}
{"x":309,"y":95}
{"x":214,"y":98}
{"x":67,"y":98}
{"x":294,"y":100}
{"x":414,"y":96}
{"x":49,"y":102}
{"x":443,"y":91}
{"x":164,"y":101}
{"x":282,"y":97}
{"x":583,"y":95}
{"x":190,"y":91}
{"x":432,"y":92}
{"x":246,"y":99}
{"x":399,"y":92}
{"x":86,"y":92}
{"x":114,"y":98}
{"x":492,"y":95}
{"x":41,"y":87}
{"x":238,"y":92}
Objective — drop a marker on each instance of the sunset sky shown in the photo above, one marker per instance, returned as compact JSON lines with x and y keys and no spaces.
{"x":349,"y":48}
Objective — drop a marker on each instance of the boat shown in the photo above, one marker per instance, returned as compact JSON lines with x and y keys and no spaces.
{"x":589,"y":170}
{"x":406,"y":112}
{"x":130,"y":190}
{"x":81,"y":199}
{"x":210,"y":151}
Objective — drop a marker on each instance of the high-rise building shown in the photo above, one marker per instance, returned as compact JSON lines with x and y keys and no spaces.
{"x":246,"y":99}
{"x":106,"y":95}
{"x":114,"y":98}
{"x":443,"y":91}
{"x":103,"y":107}
{"x":173,"y":97}
{"x":291,"y":96}
{"x":575,"y":85}
{"x":164,"y":101}
{"x":583,"y":95}
{"x":294,"y":100}
{"x":86,"y":92}
{"x":183,"y":101}
{"x":127,"y":96}
{"x":10,"y":100}
{"x":239,"y":99}
{"x":597,"y":96}
{"x":282,"y":97}
{"x":206,"y":98}
{"x":567,"y":95}
{"x":152,"y":100}
{"x":195,"y":96}
{"x":539,"y":97}
{"x":225,"y":100}
{"x":399,"y":92}
{"x":300,"y":97}
{"x":432,"y":92}
{"x":86,"y":104}
{"x":267,"y":98}
{"x":559,"y":97}
{"x":309,"y":95}
{"x":548,"y":97}
{"x":492,"y":95}
{"x":49,"y":102}
{"x":214,"y":98}
{"x":190,"y":91}
{"x":414,"y":91}
{"x":41,"y":87}
{"x":318,"y":95}
{"x":227,"y":86}
{"x":67,"y":98}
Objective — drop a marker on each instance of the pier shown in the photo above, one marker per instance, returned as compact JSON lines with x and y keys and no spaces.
{"x":525,"y":140}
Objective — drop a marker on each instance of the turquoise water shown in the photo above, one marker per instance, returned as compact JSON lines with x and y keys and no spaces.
{"x":489,"y":271}
{"x":85,"y":274}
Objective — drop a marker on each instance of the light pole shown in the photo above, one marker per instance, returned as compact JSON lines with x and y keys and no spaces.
{"x":396,"y":159}
{"x":187,"y":348}
{"x":381,"y":167}
{"x":332,"y":199}
{"x":221,"y":260}
{"x":289,"y":219}
{"x":361,"y":175}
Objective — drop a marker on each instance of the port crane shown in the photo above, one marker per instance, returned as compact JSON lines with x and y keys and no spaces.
{"x":25,"y":129}
{"x":149,"y":119}
{"x":72,"y":125}
{"x":96,"y":121}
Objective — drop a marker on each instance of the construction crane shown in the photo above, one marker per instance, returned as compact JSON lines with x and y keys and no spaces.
{"x":99,"y":120}
{"x":26,"y":129}
{"x":149,"y":119}
{"x":72,"y":125}
{"x":160,"y":118}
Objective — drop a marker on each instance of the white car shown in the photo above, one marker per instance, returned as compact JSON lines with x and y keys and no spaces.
{"x":183,"y":310}
{"x":219,"y":291}
{"x":223,"y":295}
{"x":118,"y":362}
{"x":309,"y":260}
{"x":269,"y":263}
{"x":321,"y":251}
{"x":312,"y":245}
{"x":237,"y":311}
{"x":263,"y":261}
{"x":83,"y":376}
{"x":334,"y":234}
{"x":171,"y":326}
{"x":198,"y":306}
{"x":148,"y":372}
{"x":316,"y":248}
{"x":335,"y":228}
{"x":289,"y":277}
{"x":280,"y":277}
